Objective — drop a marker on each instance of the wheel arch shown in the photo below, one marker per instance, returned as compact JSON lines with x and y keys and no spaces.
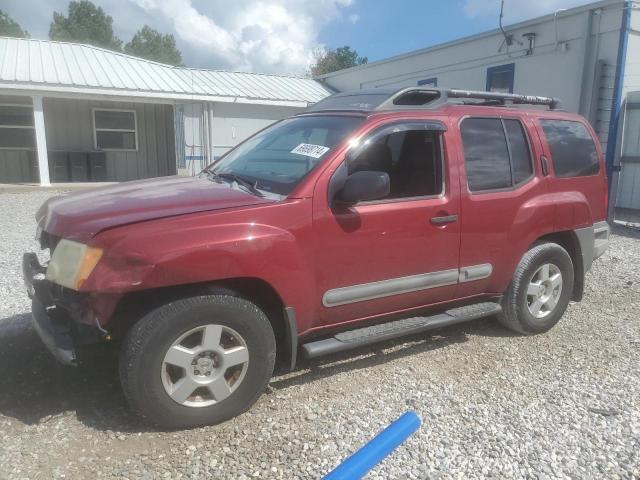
{"x":134,"y":305}
{"x":569,"y":241}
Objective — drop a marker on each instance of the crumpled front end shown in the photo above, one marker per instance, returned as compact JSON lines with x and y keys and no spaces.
{"x":61,"y":317}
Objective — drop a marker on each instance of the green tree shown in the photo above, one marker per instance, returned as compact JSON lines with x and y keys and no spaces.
{"x":10,"y":28}
{"x":328,"y":61}
{"x":85,"y":23}
{"x":152,"y":45}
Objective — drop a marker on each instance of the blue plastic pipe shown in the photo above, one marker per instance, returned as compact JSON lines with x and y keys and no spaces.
{"x":373,"y":452}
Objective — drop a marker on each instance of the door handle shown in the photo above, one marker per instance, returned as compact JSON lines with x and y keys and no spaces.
{"x":444,"y":220}
{"x":545,"y":165}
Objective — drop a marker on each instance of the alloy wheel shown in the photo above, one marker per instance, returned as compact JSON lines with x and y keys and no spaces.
{"x":544,"y":290}
{"x":205,"y":365}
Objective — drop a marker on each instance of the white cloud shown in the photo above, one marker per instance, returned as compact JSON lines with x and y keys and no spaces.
{"x":353,"y":18}
{"x":275,"y":36}
{"x":517,"y":10}
{"x":267,"y":36}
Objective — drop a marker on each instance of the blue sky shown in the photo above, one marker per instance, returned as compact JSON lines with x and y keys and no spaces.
{"x":386,"y":28}
{"x":281,"y":36}
{"x":381,"y":31}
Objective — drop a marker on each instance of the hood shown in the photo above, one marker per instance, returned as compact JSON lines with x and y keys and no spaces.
{"x":81,"y":215}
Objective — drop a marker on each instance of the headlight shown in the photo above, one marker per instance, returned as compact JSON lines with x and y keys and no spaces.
{"x":72,"y":263}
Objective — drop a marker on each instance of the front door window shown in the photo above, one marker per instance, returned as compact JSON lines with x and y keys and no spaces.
{"x":411,"y":158}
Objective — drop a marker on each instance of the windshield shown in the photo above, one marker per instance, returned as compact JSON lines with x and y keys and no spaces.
{"x":276,"y":159}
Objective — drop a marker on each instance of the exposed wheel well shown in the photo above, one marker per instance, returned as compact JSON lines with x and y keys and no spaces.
{"x":569,"y":241}
{"x":135,"y":305}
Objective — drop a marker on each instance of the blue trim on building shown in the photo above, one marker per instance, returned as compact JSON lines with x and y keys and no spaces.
{"x":616,"y":104}
{"x":509,"y":68}
{"x":432,"y":82}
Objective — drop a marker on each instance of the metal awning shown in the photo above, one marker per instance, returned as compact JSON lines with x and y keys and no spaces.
{"x":40,"y":66}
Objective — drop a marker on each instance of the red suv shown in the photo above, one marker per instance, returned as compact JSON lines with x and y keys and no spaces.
{"x":375,"y":214}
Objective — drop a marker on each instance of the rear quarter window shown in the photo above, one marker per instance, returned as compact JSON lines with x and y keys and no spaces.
{"x":572,"y":149}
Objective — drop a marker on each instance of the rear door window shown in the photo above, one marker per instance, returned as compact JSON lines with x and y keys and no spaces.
{"x":573,"y":151}
{"x":496,"y":153}
{"x":519,"y":148}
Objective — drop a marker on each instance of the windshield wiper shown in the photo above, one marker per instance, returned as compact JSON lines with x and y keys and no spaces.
{"x":237,"y":179}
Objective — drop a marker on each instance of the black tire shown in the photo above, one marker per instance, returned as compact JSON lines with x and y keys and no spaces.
{"x":146,"y":343}
{"x":515,"y":311}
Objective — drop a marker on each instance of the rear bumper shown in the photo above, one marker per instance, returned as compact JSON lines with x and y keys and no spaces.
{"x":594,"y":241}
{"x":53,"y":314}
{"x":601,"y":232}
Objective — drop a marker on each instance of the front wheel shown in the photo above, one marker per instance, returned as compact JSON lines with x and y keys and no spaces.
{"x":540,"y":290}
{"x":197,"y":361}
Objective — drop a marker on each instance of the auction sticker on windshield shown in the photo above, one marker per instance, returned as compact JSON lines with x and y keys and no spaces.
{"x":310,"y":150}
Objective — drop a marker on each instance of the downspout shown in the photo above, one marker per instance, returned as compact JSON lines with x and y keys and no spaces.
{"x":598,"y":70}
{"x":204,"y":134}
{"x":617,"y":168}
{"x":617,"y":90}
{"x":588,"y":28}
{"x":212,"y":156}
{"x":176,"y":139}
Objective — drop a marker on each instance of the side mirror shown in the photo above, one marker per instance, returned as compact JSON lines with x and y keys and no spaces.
{"x":363,"y":186}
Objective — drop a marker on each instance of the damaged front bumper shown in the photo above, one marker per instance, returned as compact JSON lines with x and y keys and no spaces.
{"x":53,"y":310}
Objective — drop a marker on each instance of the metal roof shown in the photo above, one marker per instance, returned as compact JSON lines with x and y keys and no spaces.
{"x":48,"y":66}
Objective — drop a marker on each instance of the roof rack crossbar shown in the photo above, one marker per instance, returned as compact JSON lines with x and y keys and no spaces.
{"x":551,"y":102}
{"x":438,"y":96}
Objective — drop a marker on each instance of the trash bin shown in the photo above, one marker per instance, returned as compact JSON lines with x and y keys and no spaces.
{"x":59,"y":167}
{"x":97,"y":166}
{"x":78,"y":166}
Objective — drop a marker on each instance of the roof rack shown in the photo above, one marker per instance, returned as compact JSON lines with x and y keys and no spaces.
{"x":432,"y":97}
{"x":421,"y":98}
{"x":506,"y":98}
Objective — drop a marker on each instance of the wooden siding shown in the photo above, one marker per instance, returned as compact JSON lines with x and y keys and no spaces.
{"x":69,"y":128}
{"x":69,"y":125}
{"x":18,"y":166}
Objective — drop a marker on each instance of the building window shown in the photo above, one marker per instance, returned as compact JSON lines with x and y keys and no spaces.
{"x":500,"y":78}
{"x":16,"y":127}
{"x":496,"y":153}
{"x":115,"y":129}
{"x":428,"y":82}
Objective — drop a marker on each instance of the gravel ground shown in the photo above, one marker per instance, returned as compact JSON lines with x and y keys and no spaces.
{"x":560,"y":405}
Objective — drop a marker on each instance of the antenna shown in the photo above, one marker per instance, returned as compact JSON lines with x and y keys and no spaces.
{"x":508,"y":38}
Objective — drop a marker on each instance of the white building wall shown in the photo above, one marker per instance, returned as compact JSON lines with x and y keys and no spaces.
{"x":208,"y":130}
{"x":563,"y":65}
{"x":233,"y":122}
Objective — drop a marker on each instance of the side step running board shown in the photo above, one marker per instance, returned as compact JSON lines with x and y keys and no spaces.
{"x":398,"y":328}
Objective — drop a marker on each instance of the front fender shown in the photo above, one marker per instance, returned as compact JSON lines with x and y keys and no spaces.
{"x":207,"y":248}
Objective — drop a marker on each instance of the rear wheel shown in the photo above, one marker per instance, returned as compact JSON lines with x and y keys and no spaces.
{"x":540,"y":290}
{"x":197,"y":361}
